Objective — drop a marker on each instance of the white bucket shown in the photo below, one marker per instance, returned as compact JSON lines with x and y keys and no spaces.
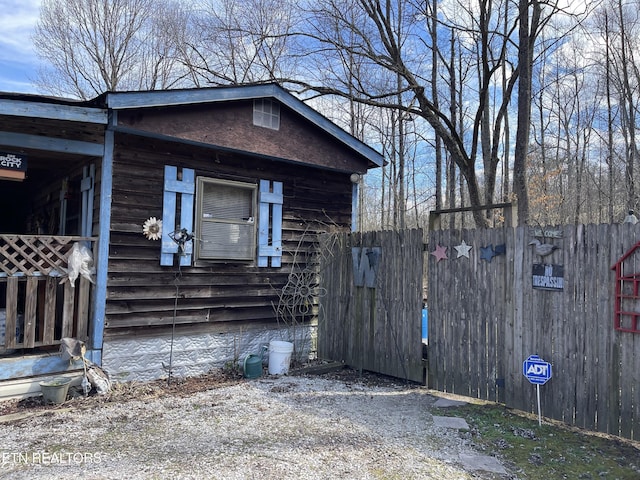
{"x":279,"y":357}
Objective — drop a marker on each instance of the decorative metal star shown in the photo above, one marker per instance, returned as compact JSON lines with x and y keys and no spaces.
{"x":440,"y":253}
{"x":463,"y":249}
{"x":487,"y":253}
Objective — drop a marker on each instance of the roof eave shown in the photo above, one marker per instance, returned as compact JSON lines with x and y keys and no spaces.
{"x":164,"y":98}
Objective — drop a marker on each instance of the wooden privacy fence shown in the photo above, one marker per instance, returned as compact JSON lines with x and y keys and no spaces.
{"x":370,"y":316}
{"x":488,"y":313}
{"x":39,"y":305}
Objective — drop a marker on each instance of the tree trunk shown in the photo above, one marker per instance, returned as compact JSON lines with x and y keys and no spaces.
{"x":525,"y":60}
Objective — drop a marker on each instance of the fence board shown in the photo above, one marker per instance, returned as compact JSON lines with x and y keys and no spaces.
{"x":485,"y":319}
{"x":67,"y":310}
{"x":601,"y":329}
{"x":12,"y":312}
{"x":30,"y":318}
{"x":51,"y":286}
{"x":504,"y":327}
{"x":515,"y":391}
{"x":82,"y":311}
{"x":614,"y":358}
{"x":475,"y":322}
{"x":436,"y":361}
{"x":592,"y":268}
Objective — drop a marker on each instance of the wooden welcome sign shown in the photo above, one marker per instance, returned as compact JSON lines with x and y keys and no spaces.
{"x":12,"y":166}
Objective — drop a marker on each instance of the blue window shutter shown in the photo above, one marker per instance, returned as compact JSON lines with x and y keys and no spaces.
{"x":270,"y":224}
{"x":172,"y":188}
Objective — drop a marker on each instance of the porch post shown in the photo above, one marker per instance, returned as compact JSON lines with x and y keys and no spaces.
{"x":96,"y":329}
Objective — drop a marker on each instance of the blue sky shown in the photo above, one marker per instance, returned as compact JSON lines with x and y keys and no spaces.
{"x":18,"y":61}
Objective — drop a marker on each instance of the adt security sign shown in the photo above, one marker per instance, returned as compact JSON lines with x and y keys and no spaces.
{"x":536,"y":370}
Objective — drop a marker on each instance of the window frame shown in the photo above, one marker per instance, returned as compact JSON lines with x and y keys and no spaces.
{"x":201,"y":181}
{"x":266,"y":113}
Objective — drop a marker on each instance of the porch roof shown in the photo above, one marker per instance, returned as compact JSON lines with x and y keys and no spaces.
{"x":38,"y":126}
{"x":52,"y":108}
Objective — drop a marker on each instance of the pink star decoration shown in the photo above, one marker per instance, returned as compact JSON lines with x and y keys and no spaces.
{"x":440,"y":253}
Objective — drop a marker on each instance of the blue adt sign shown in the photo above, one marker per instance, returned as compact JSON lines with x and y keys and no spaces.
{"x":536,"y":370}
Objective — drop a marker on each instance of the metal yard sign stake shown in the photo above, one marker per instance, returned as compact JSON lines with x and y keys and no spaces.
{"x":539,"y":412}
{"x":538,"y":372}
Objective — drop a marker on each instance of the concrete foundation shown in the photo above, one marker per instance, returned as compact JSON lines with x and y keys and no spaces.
{"x":147,"y":358}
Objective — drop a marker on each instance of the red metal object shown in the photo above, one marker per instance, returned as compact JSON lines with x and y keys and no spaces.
{"x":627,"y":301}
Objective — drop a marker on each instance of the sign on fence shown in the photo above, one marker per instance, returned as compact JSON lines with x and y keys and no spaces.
{"x":365,"y":265}
{"x":548,"y":277}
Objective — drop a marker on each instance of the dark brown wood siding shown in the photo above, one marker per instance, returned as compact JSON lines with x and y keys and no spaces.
{"x":142,"y":294}
{"x":230,"y":125}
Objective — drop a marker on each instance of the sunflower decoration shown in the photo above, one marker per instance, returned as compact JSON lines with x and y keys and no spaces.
{"x":152,"y":228}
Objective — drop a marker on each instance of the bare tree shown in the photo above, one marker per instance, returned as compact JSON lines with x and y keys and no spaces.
{"x":431,"y":83}
{"x":393,"y":38}
{"x":432,"y":25}
{"x":581,"y":170}
{"x":241,"y":41}
{"x":93,"y":46}
{"x":610,"y":149}
{"x":628,"y":19}
{"x":615,"y":32}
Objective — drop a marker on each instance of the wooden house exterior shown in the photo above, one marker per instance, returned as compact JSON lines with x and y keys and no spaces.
{"x":243,"y":179}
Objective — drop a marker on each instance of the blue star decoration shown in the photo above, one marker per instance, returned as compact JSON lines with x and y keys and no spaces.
{"x":500,"y":250}
{"x":487,"y":253}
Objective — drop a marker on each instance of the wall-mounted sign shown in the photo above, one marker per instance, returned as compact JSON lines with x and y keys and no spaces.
{"x":12,"y":166}
{"x":548,"y":277}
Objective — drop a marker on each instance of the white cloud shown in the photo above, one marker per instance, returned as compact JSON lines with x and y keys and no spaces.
{"x":17,"y":57}
{"x":16,"y":23}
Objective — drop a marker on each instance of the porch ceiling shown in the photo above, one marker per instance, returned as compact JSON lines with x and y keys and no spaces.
{"x":88,"y":132}
{"x":40,"y":161}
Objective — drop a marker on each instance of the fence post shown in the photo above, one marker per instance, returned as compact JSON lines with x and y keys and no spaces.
{"x":510,"y":213}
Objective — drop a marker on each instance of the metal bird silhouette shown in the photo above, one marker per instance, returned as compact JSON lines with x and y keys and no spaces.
{"x":542,"y":249}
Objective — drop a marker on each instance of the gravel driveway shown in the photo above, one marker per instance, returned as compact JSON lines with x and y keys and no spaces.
{"x":288,"y":427}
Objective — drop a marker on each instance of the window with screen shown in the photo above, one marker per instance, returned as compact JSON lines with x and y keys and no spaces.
{"x":225,"y":220}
